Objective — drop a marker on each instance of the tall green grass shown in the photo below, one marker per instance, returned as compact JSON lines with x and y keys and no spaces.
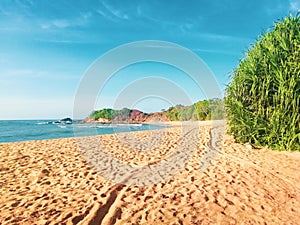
{"x":263,"y":98}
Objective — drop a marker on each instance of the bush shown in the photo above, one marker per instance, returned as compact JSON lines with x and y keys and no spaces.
{"x":201,"y":110}
{"x":103,"y":113}
{"x":263,"y":99}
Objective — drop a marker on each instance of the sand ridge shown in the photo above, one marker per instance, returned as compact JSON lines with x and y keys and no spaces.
{"x":52,"y":182}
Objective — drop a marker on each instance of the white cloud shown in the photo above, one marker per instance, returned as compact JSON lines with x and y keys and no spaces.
{"x":142,"y":13}
{"x":15,"y":74}
{"x":295,"y":5}
{"x":215,"y":51}
{"x":22,"y":72}
{"x":82,"y":20}
{"x":116,"y":13}
{"x":61,"y":23}
{"x":222,"y":37}
{"x":100,"y":12}
{"x":106,"y":15}
{"x":28,"y":108}
{"x":58,"y":41}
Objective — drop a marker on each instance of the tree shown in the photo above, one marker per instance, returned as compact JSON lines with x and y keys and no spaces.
{"x":202,"y":109}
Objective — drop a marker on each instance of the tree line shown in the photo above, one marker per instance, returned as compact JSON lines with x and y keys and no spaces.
{"x":201,"y":110}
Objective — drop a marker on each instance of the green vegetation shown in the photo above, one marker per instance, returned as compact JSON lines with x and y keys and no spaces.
{"x":202,"y":110}
{"x":110,"y":113}
{"x":263,"y":99}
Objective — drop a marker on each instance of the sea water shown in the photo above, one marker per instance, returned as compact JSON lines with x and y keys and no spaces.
{"x":24,"y":130}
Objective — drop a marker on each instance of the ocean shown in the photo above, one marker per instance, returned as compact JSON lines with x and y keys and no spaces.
{"x":25,"y":130}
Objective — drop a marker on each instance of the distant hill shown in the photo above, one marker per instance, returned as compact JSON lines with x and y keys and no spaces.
{"x":202,"y":110}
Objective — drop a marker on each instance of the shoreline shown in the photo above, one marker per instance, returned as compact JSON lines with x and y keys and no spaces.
{"x":169,"y":124}
{"x":52,"y":181}
{"x":80,"y":135}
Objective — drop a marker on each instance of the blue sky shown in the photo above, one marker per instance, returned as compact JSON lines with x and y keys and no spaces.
{"x":47,"y":46}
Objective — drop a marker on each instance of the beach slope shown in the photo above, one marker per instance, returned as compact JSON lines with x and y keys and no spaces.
{"x":218,"y":182}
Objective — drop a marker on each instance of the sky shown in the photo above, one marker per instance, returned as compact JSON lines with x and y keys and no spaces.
{"x":47,"y":47}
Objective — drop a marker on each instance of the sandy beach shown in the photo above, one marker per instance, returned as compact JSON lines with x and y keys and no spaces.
{"x":178,"y":175}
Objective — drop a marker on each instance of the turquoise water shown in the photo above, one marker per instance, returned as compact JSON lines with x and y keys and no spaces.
{"x":24,"y":130}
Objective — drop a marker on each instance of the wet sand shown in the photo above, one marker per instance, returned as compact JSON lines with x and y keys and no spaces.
{"x":127,"y":179}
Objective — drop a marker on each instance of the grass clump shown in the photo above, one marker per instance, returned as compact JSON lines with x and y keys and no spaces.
{"x":263,"y":98}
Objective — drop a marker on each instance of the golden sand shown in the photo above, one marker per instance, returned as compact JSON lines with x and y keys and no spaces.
{"x":65,"y":181}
